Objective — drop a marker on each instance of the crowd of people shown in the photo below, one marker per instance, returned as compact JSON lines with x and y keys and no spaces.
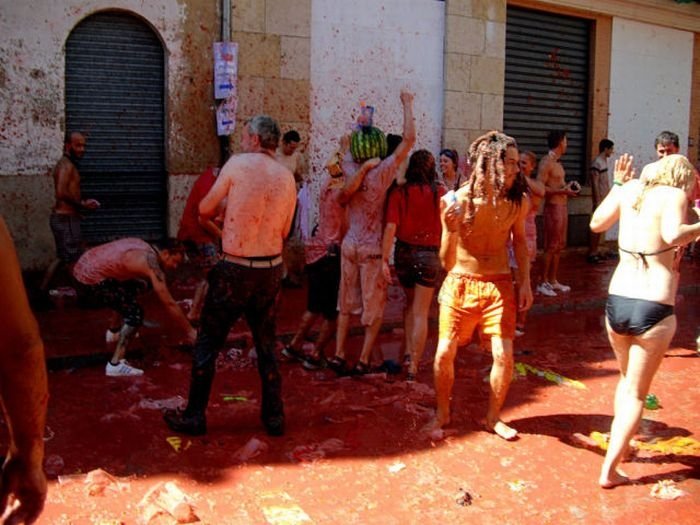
{"x":470,"y":233}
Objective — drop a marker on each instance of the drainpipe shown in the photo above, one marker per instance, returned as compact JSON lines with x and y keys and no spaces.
{"x":224,"y":142}
{"x":225,"y":20}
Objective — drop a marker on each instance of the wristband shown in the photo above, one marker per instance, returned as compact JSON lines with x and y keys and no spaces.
{"x":617,"y":183}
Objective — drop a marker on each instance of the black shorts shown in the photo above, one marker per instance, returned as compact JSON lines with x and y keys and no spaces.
{"x":120,"y":296}
{"x":66,"y":234}
{"x":324,"y":282}
{"x":629,"y":316}
{"x":416,"y":264}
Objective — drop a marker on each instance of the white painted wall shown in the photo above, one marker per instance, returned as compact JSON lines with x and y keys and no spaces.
{"x":32,"y":105}
{"x":650,"y":85}
{"x":366,"y":50}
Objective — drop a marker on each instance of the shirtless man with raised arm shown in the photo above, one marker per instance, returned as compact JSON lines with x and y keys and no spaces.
{"x":24,"y":394}
{"x":261,"y":196}
{"x":115,"y":274}
{"x":478,"y":289}
{"x":550,"y":172}
{"x":65,"y":218}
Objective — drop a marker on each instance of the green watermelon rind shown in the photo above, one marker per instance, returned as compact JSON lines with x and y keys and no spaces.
{"x":367,"y":143}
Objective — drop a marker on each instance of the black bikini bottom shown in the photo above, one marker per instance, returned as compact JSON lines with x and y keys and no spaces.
{"x":628,"y":316}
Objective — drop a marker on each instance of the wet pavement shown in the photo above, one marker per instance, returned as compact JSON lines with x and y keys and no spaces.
{"x":355,"y":450}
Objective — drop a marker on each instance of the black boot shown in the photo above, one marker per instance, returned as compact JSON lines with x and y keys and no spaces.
{"x":193,"y":420}
{"x":179,"y":421}
{"x":272,"y":408}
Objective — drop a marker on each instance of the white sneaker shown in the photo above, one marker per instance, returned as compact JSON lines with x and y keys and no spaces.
{"x":560,"y":287}
{"x":546,"y":289}
{"x":122,"y":369}
{"x":519,"y":332}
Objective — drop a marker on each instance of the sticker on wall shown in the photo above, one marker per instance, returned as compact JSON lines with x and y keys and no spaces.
{"x":225,"y":69}
{"x":226,"y":116}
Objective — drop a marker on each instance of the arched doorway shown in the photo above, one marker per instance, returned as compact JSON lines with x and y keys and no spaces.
{"x":115,"y":83}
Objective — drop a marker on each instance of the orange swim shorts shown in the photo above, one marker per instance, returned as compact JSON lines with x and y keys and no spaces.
{"x":469,"y":300}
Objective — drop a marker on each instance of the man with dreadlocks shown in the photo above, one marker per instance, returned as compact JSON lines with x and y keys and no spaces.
{"x":478,"y":289}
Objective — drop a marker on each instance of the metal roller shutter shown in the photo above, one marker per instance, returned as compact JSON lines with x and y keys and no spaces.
{"x":115,"y":94}
{"x":546,"y":83}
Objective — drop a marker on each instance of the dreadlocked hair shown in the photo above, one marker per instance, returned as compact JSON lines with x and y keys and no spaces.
{"x":672,"y":170}
{"x":487,"y":180}
{"x":421,"y":171}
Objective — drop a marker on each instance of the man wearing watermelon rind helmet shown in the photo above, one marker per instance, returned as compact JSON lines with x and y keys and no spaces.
{"x":362,"y":286}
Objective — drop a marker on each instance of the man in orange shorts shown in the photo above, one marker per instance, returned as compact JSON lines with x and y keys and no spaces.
{"x":478,"y":290}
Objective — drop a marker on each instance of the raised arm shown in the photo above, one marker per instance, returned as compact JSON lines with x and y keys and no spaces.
{"x":608,"y":212}
{"x":24,"y":391}
{"x":409,"y":128}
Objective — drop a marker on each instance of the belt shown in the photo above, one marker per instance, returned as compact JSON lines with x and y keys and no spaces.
{"x":252,"y":262}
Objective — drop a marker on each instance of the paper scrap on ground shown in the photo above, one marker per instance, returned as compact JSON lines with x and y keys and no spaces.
{"x":666,"y":489}
{"x":315,"y":451}
{"x":518,"y":485}
{"x":254,"y":447}
{"x":280,"y":509}
{"x":522,"y":369}
{"x":397,"y":467}
{"x":176,"y":443}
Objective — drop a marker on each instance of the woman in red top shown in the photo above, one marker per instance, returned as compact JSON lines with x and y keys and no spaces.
{"x":413,"y":217}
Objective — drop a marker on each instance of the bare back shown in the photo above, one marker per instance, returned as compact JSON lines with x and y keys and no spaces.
{"x":260,"y":204}
{"x":651,"y":277}
{"x":550,"y":172}
{"x":66,"y":181}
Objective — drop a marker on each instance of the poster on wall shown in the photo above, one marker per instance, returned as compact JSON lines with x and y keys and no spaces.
{"x":226,"y":115}
{"x":225,"y":69}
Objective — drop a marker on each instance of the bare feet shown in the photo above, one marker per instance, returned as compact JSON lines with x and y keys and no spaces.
{"x":616,"y":478}
{"x":502,"y":430}
{"x":434,"y":427}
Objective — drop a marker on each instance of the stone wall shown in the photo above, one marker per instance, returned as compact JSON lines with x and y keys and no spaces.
{"x":274,"y":38}
{"x":475,"y":43}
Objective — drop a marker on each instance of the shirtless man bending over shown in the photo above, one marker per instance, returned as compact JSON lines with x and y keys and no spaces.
{"x":550,"y":172}
{"x":114,"y":274}
{"x":260,"y":204}
{"x":478,"y":289}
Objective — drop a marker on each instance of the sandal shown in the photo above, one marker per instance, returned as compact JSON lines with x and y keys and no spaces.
{"x":360,"y":369}
{"x":314,"y":363}
{"x":292,"y":354}
{"x":338,"y":365}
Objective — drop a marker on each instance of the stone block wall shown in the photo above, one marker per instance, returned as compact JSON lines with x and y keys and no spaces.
{"x":274,"y":49}
{"x":475,"y":40}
